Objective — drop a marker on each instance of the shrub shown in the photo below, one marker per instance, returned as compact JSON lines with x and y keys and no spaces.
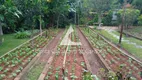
{"x":94,"y":20}
{"x":140,"y":20}
{"x":90,"y":22}
{"x":22,"y":35}
{"x":108,"y":19}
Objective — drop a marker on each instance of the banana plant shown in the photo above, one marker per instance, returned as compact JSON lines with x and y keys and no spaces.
{"x":8,"y":16}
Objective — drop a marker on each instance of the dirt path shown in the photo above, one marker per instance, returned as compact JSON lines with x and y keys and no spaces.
{"x":93,"y":60}
{"x":51,"y":48}
{"x":36,"y":70}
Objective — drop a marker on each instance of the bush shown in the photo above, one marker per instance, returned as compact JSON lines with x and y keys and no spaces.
{"x":107,"y":20}
{"x":95,"y":20}
{"x":83,"y":20}
{"x":90,"y":22}
{"x":140,"y":20}
{"x":22,"y":35}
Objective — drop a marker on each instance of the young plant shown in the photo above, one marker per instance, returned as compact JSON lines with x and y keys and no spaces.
{"x":14,"y":74}
{"x":18,"y":70}
{"x":57,"y":53}
{"x":1,"y":68}
{"x":75,"y":60}
{"x":47,"y":77}
{"x":83,"y":64}
{"x":57,"y":76}
{"x":49,"y":73}
{"x":130,"y":60}
{"x":2,"y":76}
{"x":66,"y":72}
{"x":58,"y":68}
{"x":73,"y":77}
{"x":87,"y":76}
{"x":6,"y":70}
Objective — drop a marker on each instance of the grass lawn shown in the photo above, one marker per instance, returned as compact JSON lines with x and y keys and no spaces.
{"x":10,"y":43}
{"x":130,"y":47}
{"x":136,"y":29}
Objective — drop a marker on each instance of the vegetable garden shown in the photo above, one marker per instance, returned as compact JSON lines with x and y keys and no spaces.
{"x":53,"y":51}
{"x":69,"y":61}
{"x":75,"y":64}
{"x":115,"y":59}
{"x":13,"y":62}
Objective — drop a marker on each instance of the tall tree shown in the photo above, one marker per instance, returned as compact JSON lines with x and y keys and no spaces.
{"x":123,"y":19}
{"x":57,"y":9}
{"x":61,"y":10}
{"x":100,"y":7}
{"x":8,"y":15}
{"x":138,"y":4}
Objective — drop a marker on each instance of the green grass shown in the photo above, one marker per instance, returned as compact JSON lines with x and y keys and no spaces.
{"x":10,"y":43}
{"x":136,"y":29}
{"x":130,"y":47}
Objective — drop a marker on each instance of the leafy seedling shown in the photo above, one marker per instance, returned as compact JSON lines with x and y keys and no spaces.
{"x":57,"y":76}
{"x":73,"y":77}
{"x":14,"y":74}
{"x":83,"y":64}
{"x":47,"y":77}
{"x":49,"y":73}
{"x":1,"y":68}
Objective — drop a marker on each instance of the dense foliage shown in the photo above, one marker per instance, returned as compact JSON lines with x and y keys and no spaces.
{"x":16,"y":15}
{"x":131,"y":16}
{"x":140,"y":20}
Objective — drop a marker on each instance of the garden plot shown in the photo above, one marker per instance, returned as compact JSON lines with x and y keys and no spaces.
{"x":12,"y":63}
{"x":116,"y":60}
{"x":75,"y":65}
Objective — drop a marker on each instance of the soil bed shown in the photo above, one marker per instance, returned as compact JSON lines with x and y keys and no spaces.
{"x":75,"y":64}
{"x":112,"y":56}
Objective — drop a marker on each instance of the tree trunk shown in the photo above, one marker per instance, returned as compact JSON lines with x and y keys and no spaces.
{"x":1,"y":33}
{"x":99,"y":19}
{"x":75,"y":18}
{"x":58,"y":19}
{"x":123,"y":21}
{"x":121,"y":33}
{"x":78,"y":19}
{"x":40,"y":25}
{"x":32,"y":42}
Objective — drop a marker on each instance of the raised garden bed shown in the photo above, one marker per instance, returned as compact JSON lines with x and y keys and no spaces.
{"x":112,"y":56}
{"x":13,"y":62}
{"x":75,"y":64}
